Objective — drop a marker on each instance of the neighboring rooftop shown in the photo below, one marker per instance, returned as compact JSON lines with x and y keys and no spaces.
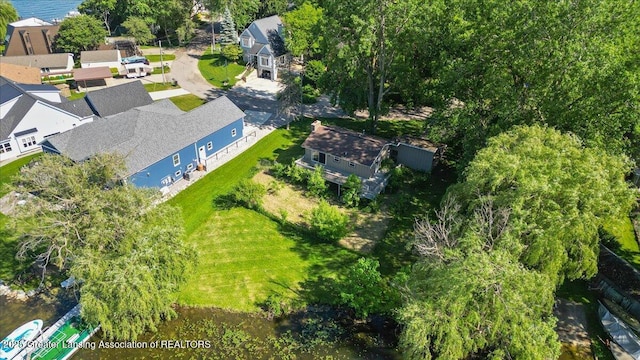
{"x":32,"y":21}
{"x":59,"y":60}
{"x":119,"y":98}
{"x":99,"y":56}
{"x":24,"y":74}
{"x":418,"y":142}
{"x":147,"y":134}
{"x":92,"y":73}
{"x":347,"y":144}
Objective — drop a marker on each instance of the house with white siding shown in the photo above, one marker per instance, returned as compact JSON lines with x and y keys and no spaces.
{"x":29,"y":113}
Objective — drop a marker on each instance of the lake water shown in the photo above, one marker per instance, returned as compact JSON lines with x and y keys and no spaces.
{"x":46,"y":10}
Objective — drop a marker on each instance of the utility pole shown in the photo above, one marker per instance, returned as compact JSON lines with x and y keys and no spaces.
{"x":161,"y":63}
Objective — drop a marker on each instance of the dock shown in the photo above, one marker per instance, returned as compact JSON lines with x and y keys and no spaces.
{"x":60,"y":340}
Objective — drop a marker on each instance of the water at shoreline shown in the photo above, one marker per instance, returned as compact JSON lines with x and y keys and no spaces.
{"x":46,"y":10}
{"x":212,"y":332}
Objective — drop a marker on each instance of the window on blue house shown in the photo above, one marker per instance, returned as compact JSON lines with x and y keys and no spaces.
{"x":178,"y":173}
{"x":210,"y":145}
{"x":233,"y":132}
{"x":176,"y":159}
{"x":190,"y":166}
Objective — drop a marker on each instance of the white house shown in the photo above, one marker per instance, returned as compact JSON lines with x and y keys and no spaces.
{"x":30,"y":113}
{"x":262,"y":45}
{"x":95,"y":58}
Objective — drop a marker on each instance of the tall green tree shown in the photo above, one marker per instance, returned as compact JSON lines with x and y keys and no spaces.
{"x":228,"y":32}
{"x":271,"y":7}
{"x":361,"y":49}
{"x":80,"y":33}
{"x":484,"y":304}
{"x":8,"y":14}
{"x":559,"y":193}
{"x":138,"y":29}
{"x":100,"y":9}
{"x":302,"y":29}
{"x":566,"y":64}
{"x":129,"y":252}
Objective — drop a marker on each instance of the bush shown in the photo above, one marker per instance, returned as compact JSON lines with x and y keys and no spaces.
{"x":248,"y":194}
{"x":351,"y":191}
{"x":328,"y":222}
{"x":297,"y":174}
{"x":363,"y":288}
{"x":316,"y":184}
{"x":279,"y":170}
{"x":309,"y":94}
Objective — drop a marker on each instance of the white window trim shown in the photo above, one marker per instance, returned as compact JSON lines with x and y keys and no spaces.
{"x":178,"y":173}
{"x":234,"y":132}
{"x":352,"y":164}
{"x":190,"y":166}
{"x":209,"y":145}
{"x":265,"y":58}
{"x":176,"y":159}
{"x":246,"y":42}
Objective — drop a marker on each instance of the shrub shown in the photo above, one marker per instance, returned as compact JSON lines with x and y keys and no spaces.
{"x":279,"y":170}
{"x":274,"y":187}
{"x":283,"y":216}
{"x":248,"y":194}
{"x":297,"y":174}
{"x":315,"y":182}
{"x":363,"y":288}
{"x":328,"y":222}
{"x":351,"y":191}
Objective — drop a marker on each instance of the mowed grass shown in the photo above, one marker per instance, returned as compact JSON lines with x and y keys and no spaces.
{"x":245,"y":256}
{"x":622,"y":229}
{"x":187,"y":102}
{"x":216,"y":70}
{"x":156,"y":58}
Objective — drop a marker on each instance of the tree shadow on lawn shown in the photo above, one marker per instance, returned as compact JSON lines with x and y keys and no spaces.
{"x":329,"y":262}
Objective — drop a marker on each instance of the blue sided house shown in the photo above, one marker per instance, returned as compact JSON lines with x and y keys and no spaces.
{"x":159,"y":141}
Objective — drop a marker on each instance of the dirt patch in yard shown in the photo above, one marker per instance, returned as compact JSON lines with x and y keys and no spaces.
{"x":281,"y":198}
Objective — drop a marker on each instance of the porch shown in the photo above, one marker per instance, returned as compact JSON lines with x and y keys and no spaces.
{"x":371,"y":187}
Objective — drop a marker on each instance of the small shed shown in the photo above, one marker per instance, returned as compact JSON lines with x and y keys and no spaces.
{"x":417,"y":153}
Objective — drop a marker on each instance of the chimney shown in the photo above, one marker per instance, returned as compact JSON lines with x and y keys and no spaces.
{"x":315,"y":125}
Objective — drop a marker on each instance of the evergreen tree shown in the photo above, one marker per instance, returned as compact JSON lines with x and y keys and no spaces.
{"x":228,"y":34}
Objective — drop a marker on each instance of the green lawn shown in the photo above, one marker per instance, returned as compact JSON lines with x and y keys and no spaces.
{"x":245,"y":256}
{"x":160,"y":87}
{"x":76,"y":95}
{"x":156,"y":58}
{"x":8,"y":171}
{"x":158,"y":70}
{"x":622,"y":229}
{"x":187,"y":102}
{"x":215,"y":69}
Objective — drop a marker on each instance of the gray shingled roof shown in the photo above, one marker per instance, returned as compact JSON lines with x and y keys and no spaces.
{"x":39,"y":61}
{"x":98,"y":56}
{"x":344,"y":143}
{"x":15,"y":115}
{"x":147,"y":134}
{"x":119,"y":98}
{"x":77,"y":107}
{"x":265,"y":31}
{"x":10,"y":90}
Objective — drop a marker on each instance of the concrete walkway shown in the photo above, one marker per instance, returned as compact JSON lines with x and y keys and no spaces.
{"x":165,"y":94}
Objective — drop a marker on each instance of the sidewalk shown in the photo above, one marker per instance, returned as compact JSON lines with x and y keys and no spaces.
{"x":165,"y":94}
